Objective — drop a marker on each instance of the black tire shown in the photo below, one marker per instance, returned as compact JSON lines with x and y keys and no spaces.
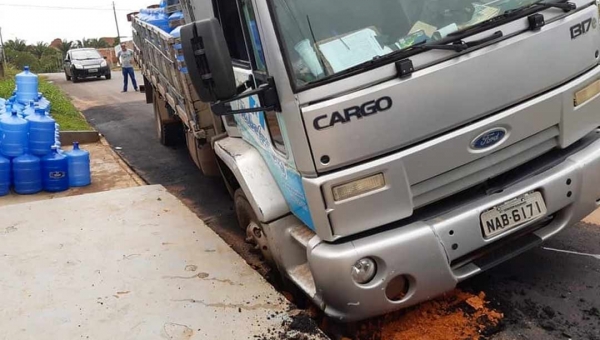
{"x":169,"y":134}
{"x":67,"y":76}
{"x":243,"y":210}
{"x":74,"y":78}
{"x":108,"y":76}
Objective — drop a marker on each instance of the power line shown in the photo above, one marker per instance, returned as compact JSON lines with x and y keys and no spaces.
{"x":68,"y":8}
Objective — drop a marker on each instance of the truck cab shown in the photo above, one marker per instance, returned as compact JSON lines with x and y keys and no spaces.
{"x":381,"y":152}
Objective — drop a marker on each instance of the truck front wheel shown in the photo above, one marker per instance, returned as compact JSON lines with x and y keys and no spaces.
{"x":248,"y":221}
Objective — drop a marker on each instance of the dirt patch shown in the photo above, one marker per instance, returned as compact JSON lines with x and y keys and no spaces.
{"x":299,"y":326}
{"x":457,"y":315}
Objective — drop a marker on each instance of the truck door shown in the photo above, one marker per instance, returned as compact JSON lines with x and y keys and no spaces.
{"x":264,"y":130}
{"x":228,"y":13}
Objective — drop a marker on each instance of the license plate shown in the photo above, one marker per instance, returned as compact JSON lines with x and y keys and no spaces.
{"x":512,"y":214}
{"x":93,"y":70}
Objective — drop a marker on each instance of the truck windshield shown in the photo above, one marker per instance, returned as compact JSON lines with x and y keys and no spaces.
{"x":86,"y":54}
{"x":325,"y":37}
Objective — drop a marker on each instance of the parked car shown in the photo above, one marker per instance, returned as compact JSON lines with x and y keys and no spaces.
{"x":85,"y":63}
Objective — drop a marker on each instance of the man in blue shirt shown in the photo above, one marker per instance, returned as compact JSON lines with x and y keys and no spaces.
{"x":126,"y":59}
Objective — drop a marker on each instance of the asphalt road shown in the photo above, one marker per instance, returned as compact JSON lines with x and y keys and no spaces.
{"x":545,"y":293}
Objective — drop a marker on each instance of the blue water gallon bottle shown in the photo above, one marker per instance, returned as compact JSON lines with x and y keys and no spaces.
{"x":27,"y":86}
{"x":27,"y":174}
{"x":79,"y":167}
{"x":29,"y":109}
{"x":176,"y":19}
{"x":55,"y":172}
{"x":14,"y":135}
{"x":42,"y":131}
{"x":4,"y":176}
{"x":176,"y":33}
{"x":43,"y":102}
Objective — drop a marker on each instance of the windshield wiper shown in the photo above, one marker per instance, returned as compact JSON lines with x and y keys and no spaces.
{"x":565,"y":6}
{"x":461,"y":45}
{"x":515,"y":12}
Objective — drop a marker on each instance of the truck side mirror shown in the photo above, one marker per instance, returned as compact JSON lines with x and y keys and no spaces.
{"x":208,"y":61}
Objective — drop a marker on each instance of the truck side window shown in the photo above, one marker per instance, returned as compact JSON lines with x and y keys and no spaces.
{"x":275,"y":131}
{"x":254,"y":36}
{"x":229,"y":17}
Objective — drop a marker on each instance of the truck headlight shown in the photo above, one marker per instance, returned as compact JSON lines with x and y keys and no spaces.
{"x":364,"y":270}
{"x":358,"y":187}
{"x":103,"y":63}
{"x":78,"y":66}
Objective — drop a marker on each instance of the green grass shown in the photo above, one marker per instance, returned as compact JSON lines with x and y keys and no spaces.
{"x":63,"y":111}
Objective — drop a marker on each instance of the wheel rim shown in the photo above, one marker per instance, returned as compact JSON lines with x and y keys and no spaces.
{"x":256,"y":236}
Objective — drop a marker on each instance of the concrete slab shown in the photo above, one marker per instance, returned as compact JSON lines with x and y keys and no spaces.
{"x":109,"y":172}
{"x":129,"y":264}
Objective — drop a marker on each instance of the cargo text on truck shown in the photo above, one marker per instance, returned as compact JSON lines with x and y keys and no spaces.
{"x":379,"y":152}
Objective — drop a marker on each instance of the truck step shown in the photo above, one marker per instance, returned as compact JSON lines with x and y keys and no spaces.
{"x":302,"y":277}
{"x":302,"y":235}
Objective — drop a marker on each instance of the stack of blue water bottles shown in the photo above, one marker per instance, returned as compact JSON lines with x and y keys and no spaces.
{"x":31,"y":159}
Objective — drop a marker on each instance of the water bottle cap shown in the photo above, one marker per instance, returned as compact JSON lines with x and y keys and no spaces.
{"x":31,"y":103}
{"x":26,"y":68}
{"x":14,"y":113}
{"x":75,"y":145}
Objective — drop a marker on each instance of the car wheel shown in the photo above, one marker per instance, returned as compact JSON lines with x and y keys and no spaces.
{"x":67,"y":76}
{"x":74,"y":78}
{"x":108,"y":76}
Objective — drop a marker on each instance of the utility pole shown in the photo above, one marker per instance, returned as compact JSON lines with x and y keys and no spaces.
{"x":3,"y":66}
{"x":116,"y":22}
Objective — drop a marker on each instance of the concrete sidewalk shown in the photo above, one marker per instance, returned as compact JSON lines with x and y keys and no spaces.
{"x":130,"y":264}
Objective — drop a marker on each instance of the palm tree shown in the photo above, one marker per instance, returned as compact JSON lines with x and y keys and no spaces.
{"x":18,"y":45}
{"x":82,"y":43}
{"x":65,"y":46}
{"x":96,"y":43}
{"x":39,"y":49}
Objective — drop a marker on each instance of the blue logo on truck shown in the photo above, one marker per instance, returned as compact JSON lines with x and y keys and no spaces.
{"x":489,"y":138}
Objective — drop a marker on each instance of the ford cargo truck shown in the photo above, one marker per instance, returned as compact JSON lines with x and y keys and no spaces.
{"x":380,"y":152}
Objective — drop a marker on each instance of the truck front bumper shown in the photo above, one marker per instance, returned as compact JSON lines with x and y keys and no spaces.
{"x":434,"y":254}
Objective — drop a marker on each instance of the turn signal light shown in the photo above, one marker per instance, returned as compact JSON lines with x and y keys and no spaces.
{"x":358,"y":187}
{"x":587,"y":93}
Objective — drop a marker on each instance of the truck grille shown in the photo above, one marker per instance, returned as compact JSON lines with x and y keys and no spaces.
{"x":478,"y":171}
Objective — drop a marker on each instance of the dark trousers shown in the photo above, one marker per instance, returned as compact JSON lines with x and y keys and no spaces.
{"x":129,"y":72}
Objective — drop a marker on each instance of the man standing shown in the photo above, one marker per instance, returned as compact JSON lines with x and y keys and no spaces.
{"x":126,"y":58}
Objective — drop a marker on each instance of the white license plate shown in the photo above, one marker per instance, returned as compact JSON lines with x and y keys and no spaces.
{"x":513,"y":213}
{"x":93,"y":70}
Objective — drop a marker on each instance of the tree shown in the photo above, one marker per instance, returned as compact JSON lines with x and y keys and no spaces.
{"x":18,"y":45}
{"x":39,"y":49}
{"x":81,"y":43}
{"x":65,"y":46}
{"x":97,"y":43}
{"x":21,"y":59}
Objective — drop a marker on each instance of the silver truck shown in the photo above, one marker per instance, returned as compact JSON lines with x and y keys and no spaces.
{"x":380,"y":152}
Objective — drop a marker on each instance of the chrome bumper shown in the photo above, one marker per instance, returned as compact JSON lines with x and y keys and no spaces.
{"x":427,"y":252}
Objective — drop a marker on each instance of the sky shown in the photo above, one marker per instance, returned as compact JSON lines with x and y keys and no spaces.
{"x":45,"y":20}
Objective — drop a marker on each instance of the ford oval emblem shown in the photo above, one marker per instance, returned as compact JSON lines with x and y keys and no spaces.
{"x":489,"y":138}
